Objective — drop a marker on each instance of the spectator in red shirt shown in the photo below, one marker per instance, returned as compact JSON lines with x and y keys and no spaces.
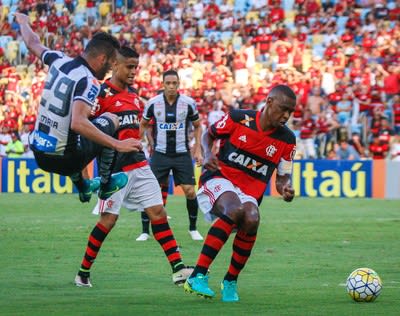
{"x":377,"y":149}
{"x":212,"y":8}
{"x":385,"y":131}
{"x":276,"y":14}
{"x":307,"y":133}
{"x":392,"y":82}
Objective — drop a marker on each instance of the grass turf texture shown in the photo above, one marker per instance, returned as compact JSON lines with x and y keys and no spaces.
{"x":304,"y":253}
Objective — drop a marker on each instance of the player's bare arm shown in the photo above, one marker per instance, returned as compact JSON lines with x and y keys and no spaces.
{"x":145,"y":131}
{"x":284,"y":187}
{"x":30,"y":38}
{"x":197,"y":154}
{"x":210,"y":160}
{"x":81,"y":125}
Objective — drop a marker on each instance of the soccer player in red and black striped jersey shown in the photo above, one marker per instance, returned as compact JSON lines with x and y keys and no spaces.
{"x":253,"y":145}
{"x":142,"y":191}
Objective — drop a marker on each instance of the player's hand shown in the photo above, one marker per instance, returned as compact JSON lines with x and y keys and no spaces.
{"x":211,"y":162}
{"x":21,"y":18}
{"x":129,"y":145}
{"x":198,"y":157}
{"x":150,"y":150}
{"x":288,"y":193}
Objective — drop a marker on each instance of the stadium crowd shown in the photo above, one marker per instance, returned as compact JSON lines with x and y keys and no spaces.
{"x":342,"y":58}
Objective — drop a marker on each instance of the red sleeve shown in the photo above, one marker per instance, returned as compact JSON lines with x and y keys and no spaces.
{"x":222,"y":128}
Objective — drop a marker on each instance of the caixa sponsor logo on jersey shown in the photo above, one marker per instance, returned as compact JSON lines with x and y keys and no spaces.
{"x":171,"y":126}
{"x":129,"y":119}
{"x":248,"y":163}
{"x":44,"y":142}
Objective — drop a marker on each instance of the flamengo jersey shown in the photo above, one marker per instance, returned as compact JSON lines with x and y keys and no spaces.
{"x":171,"y":122}
{"x":129,"y":108}
{"x":68,"y":80}
{"x":248,"y":156}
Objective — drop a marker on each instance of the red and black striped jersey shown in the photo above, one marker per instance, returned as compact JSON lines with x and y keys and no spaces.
{"x":248,"y":155}
{"x":129,"y":108}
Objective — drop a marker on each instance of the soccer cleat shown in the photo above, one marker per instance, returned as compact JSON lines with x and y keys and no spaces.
{"x":195,"y":235}
{"x":229,"y":291}
{"x":95,"y":184}
{"x":89,"y":186}
{"x":82,"y":279}
{"x":116,"y":183}
{"x":143,"y":237}
{"x":199,"y":286}
{"x":179,"y":277}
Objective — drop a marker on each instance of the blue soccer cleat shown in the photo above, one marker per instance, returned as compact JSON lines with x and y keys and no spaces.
{"x":229,"y":291}
{"x":89,"y":186}
{"x":95,"y":185}
{"x":199,"y":286}
{"x":116,"y":183}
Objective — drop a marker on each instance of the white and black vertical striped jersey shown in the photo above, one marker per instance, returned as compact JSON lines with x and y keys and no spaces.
{"x":171,"y":122}
{"x":67,"y":80}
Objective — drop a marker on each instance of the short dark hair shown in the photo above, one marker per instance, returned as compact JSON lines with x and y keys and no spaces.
{"x":128,"y":52}
{"x":102,"y":43}
{"x":284,"y":91}
{"x":170,"y":72}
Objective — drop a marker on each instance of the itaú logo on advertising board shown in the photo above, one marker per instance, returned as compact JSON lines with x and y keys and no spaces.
{"x":331,"y":179}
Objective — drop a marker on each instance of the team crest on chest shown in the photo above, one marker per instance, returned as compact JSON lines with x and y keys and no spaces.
{"x":182,"y":115}
{"x":246,"y":121}
{"x":270,"y":150}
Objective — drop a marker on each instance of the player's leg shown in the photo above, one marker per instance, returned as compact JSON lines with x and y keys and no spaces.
{"x":145,"y":235}
{"x":95,"y":240}
{"x":241,"y":249}
{"x":192,"y":207}
{"x":225,"y":204}
{"x":165,"y":237}
{"x":164,"y":191}
{"x":160,"y":170}
{"x":184,"y":176}
{"x":109,"y":212}
{"x":146,"y":194}
{"x":109,"y":184}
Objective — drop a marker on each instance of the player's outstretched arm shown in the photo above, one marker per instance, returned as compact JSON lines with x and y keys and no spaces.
{"x":284,"y":187}
{"x":81,"y":125}
{"x":30,"y":38}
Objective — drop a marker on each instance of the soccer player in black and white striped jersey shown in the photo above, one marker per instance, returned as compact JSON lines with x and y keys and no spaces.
{"x":64,"y":140}
{"x":173,"y":116}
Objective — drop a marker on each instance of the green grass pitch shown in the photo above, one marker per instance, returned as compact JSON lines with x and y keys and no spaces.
{"x":304,"y":252}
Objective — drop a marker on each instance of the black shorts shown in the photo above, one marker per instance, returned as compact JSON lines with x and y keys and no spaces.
{"x":76,"y":159}
{"x":181,"y":165}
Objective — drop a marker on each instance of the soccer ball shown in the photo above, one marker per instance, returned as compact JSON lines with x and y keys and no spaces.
{"x":364,"y":285}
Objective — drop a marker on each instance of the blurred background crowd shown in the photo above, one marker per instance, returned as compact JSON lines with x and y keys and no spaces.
{"x":342,"y":58}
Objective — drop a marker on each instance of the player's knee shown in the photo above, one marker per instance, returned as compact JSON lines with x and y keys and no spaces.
{"x":156,"y":212}
{"x":189,"y":192}
{"x":236,"y":213}
{"x":108,"y":220}
{"x":251,"y":221}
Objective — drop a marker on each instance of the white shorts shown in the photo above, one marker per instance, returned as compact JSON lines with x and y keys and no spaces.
{"x":142,"y":191}
{"x":212,"y":190}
